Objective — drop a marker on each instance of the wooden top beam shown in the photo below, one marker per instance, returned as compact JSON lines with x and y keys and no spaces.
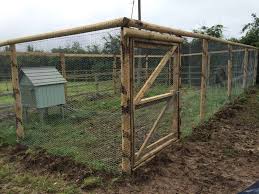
{"x":120,"y":22}
{"x":129,"y":32}
{"x":72,"y":31}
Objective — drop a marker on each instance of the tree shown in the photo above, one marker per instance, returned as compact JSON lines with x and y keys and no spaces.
{"x":112,"y":44}
{"x":215,"y":31}
{"x":251,"y":31}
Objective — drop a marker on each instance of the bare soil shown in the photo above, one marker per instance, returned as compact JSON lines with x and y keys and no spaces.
{"x":221,"y":156}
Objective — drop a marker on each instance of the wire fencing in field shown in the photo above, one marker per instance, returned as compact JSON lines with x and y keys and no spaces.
{"x":71,"y":91}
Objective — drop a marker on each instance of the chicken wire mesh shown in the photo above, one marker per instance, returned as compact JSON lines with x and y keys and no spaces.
{"x":79,"y":119}
{"x":87,"y":127}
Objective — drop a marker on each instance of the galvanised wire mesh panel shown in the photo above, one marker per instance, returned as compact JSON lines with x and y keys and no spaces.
{"x":191,"y":61}
{"x":145,"y":62}
{"x":237,"y":71}
{"x":217,"y":77}
{"x":86,"y":127}
{"x":250,"y":68}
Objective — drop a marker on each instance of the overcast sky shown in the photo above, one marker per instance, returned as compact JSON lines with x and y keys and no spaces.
{"x":27,"y":17}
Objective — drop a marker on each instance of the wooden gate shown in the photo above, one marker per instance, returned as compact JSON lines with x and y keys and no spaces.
{"x":133,"y":99}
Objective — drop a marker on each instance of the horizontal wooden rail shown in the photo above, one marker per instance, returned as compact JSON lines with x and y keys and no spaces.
{"x":151,"y":36}
{"x":120,"y":22}
{"x":72,"y":31}
{"x":154,"y":99}
{"x":157,"y":28}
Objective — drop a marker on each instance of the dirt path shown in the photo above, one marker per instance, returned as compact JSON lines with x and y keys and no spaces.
{"x":222,"y":156}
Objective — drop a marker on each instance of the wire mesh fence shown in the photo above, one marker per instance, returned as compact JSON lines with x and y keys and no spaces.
{"x":71,"y":92}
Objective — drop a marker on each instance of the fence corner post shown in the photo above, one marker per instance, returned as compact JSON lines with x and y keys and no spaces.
{"x":17,"y":93}
{"x":205,"y":58}
{"x":230,"y":69}
{"x":127,"y":106}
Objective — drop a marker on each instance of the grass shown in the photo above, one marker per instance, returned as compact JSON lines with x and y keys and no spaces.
{"x":15,"y":180}
{"x":90,"y":133}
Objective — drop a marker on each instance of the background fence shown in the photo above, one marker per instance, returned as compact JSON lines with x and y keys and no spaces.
{"x":87,"y":128}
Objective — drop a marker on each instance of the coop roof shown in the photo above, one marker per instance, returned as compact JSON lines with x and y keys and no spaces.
{"x":40,"y":76}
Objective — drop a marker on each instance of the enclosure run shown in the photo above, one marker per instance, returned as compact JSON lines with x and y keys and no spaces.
{"x":131,"y":89}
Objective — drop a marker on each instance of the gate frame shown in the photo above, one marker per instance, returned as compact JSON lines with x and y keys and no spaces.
{"x":129,"y":102}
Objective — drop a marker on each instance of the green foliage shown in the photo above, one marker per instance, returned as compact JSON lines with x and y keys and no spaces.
{"x":215,"y":31}
{"x":251,"y":31}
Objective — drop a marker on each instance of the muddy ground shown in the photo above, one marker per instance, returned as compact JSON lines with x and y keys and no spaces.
{"x":221,"y":156}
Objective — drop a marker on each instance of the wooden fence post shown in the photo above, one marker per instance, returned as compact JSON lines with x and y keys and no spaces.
{"x":203,"y":78}
{"x":245,"y":69}
{"x":176,"y":82}
{"x":255,"y":67}
{"x":17,"y":94}
{"x":63,"y":70}
{"x":127,"y":80}
{"x":114,"y":75}
{"x":170,"y":69}
{"x":230,"y":73}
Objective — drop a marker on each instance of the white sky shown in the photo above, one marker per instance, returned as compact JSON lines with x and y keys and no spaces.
{"x":27,"y":17}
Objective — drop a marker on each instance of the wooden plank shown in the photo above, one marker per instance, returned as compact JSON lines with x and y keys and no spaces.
{"x":230,"y":73}
{"x":129,"y":32}
{"x":127,"y":72}
{"x":245,"y":70}
{"x":152,"y":44}
{"x":154,"y":75}
{"x":63,"y":71}
{"x":255,"y":66}
{"x":153,"y":152}
{"x":150,"y":133}
{"x":203,"y":78}
{"x":17,"y":93}
{"x":154,"y":99}
{"x":176,"y":83}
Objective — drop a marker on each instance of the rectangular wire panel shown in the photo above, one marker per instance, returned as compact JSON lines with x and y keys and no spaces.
{"x":217,"y":77}
{"x":190,"y":85}
{"x":87,"y":127}
{"x":237,"y":71}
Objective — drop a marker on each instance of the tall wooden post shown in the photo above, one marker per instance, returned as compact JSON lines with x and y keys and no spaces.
{"x":255,"y":67}
{"x":230,"y":67}
{"x":114,"y":75}
{"x":17,"y":94}
{"x":63,"y":70}
{"x":203,"y":78}
{"x":176,"y":83}
{"x":245,"y":70}
{"x":127,"y":80}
